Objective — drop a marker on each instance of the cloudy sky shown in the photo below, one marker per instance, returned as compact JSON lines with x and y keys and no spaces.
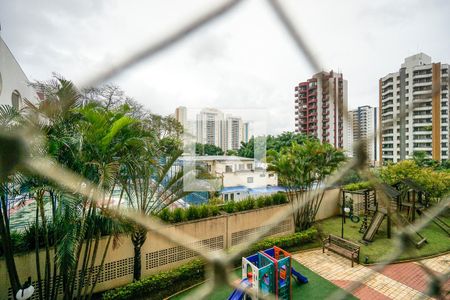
{"x":243,"y":60}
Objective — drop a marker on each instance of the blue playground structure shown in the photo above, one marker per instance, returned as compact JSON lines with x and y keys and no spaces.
{"x":267,"y":272}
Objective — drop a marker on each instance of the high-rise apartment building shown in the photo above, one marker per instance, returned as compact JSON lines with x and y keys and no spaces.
{"x":320,"y":106}
{"x":414,"y":112}
{"x":213,"y":127}
{"x":181,"y":115}
{"x":234,"y":132}
{"x":362,"y":127}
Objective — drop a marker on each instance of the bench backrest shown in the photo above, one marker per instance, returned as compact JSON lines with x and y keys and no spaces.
{"x":343,"y":243}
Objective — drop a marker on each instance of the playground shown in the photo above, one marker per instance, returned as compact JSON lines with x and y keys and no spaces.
{"x":381,"y":244}
{"x":316,"y":288}
{"x":365,"y":221}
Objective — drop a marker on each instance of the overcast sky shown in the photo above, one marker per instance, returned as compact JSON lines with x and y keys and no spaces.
{"x":244,"y":60}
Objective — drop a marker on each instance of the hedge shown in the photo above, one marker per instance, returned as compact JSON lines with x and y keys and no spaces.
{"x":167,"y":283}
{"x":363,"y":185}
{"x":161,"y":285}
{"x":252,"y":203}
{"x":195,"y":212}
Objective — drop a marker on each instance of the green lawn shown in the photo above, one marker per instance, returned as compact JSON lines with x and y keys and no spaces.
{"x":316,"y":288}
{"x":438,"y":240}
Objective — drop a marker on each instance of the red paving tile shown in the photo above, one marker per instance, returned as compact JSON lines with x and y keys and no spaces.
{"x":410,"y":274}
{"x":364,"y":292}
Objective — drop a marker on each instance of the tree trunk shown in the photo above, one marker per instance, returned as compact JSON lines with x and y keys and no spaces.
{"x":8,"y":251}
{"x":138,"y":239}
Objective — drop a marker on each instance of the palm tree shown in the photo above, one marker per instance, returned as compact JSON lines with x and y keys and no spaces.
{"x":151,"y":183}
{"x":302,"y":169}
{"x":10,"y":119}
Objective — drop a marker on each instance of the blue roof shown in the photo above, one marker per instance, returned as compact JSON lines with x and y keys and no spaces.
{"x":232,"y":189}
{"x":254,"y":191}
{"x":266,"y":190}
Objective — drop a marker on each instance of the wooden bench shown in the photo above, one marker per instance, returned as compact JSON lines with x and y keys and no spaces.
{"x":342,"y":247}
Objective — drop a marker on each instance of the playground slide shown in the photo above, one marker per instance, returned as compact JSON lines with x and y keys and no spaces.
{"x":419,"y":243}
{"x":438,"y":221}
{"x":374,"y":225}
{"x":300,"y":278}
{"x":238,"y":294}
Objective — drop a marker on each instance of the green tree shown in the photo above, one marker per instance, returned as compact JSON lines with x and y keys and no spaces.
{"x":435,"y":184}
{"x":275,"y":143}
{"x":152,"y":183}
{"x":302,"y":169}
{"x":10,"y":119}
{"x":207,"y":149}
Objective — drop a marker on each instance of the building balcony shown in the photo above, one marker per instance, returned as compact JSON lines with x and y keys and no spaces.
{"x":422,"y":83}
{"x":422,"y":92}
{"x":422,"y":74}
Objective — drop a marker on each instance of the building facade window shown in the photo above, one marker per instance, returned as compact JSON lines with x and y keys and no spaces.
{"x":249,"y":179}
{"x":16,"y":99}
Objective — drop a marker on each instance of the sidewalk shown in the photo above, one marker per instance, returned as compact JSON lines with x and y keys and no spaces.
{"x":397,"y":281}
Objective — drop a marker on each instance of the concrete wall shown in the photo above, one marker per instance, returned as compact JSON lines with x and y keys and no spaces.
{"x":12,"y":78}
{"x":216,"y":233}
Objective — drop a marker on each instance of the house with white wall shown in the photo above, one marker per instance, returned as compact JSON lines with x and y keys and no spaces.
{"x":14,"y":84}
{"x":240,"y":177}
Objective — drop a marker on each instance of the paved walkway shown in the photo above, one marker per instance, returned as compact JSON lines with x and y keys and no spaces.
{"x":397,"y":281}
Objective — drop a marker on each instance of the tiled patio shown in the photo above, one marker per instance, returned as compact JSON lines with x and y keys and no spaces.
{"x":397,"y":281}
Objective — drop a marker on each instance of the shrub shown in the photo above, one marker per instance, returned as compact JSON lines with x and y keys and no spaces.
{"x":160,"y":285}
{"x":239,"y":206}
{"x":178,"y":215}
{"x":165,"y":215}
{"x":248,"y":204}
{"x":363,"y":185}
{"x":214,"y":210}
{"x":229,"y":207}
{"x":285,"y":242}
{"x":260,"y":202}
{"x":279,"y":198}
{"x":204,"y":211}
{"x":192,"y":213}
{"x":268,"y":201}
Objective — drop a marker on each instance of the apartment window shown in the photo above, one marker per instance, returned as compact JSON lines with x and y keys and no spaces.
{"x":225,"y":197}
{"x":228,"y":169}
{"x":249,"y":166}
{"x":249,"y":179}
{"x":15,"y":99}
{"x":231,"y":196}
{"x":241,"y":167}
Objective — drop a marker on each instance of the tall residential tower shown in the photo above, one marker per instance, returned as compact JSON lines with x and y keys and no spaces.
{"x":362,"y":126}
{"x":414,"y":114}
{"x":320,"y":106}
